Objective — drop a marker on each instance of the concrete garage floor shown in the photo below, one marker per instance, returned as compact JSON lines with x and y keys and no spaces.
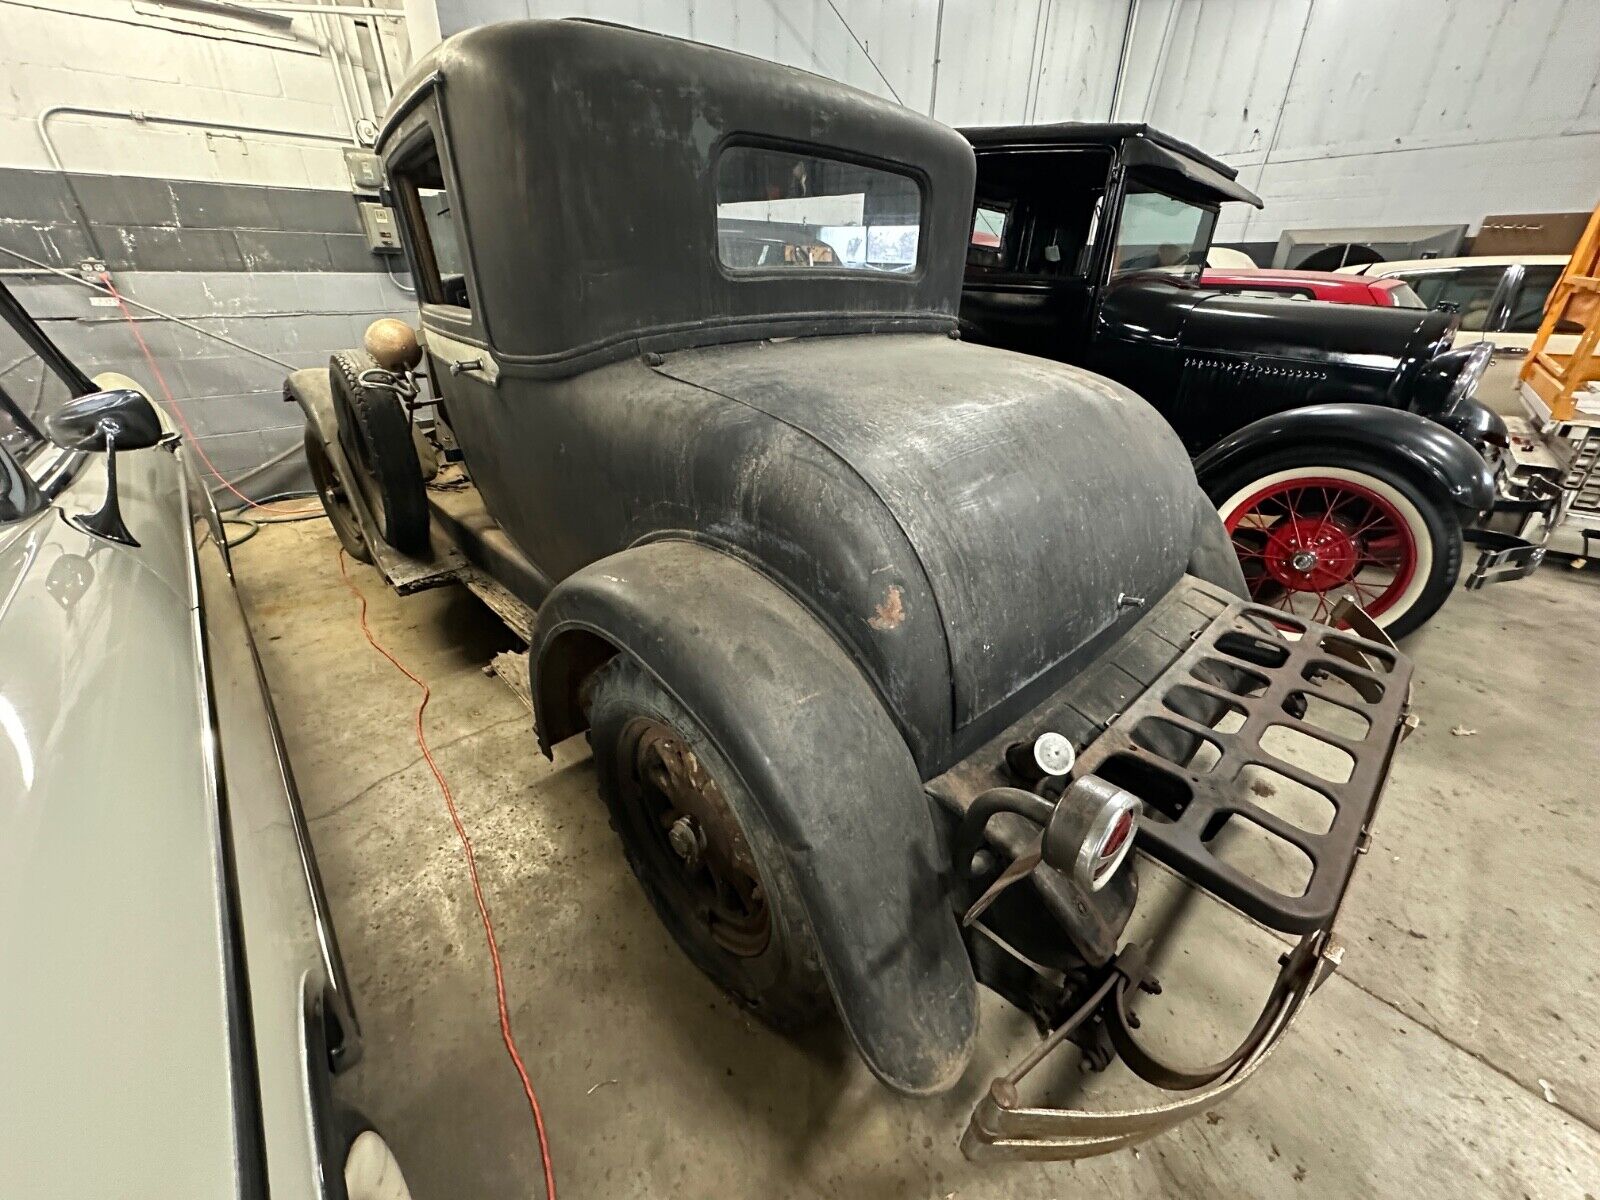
{"x":1456,"y":1053}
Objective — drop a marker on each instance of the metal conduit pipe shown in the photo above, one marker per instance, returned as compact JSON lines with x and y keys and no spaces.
{"x":324,"y":32}
{"x":332,"y":10}
{"x":140,"y":117}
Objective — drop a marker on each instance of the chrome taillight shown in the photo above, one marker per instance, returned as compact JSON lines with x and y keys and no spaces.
{"x":1102,"y":819}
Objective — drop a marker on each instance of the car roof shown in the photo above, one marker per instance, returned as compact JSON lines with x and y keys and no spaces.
{"x":1139,"y":144}
{"x":587,"y":155}
{"x":1437,"y":264}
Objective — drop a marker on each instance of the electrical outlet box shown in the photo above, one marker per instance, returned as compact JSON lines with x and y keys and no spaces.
{"x":377,"y":222}
{"x":366,"y":172}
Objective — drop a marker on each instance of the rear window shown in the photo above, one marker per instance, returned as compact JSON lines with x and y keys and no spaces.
{"x":779,"y":210}
{"x":1401,"y":294}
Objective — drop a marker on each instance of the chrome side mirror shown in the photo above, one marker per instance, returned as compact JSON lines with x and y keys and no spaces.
{"x":105,"y":422}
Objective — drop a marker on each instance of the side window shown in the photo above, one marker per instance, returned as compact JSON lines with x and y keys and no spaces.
{"x":1527,"y":310}
{"x":987,"y":249}
{"x":1038,"y":211}
{"x":429,"y":210}
{"x":1470,"y":289}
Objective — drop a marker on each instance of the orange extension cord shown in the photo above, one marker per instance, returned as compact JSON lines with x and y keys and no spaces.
{"x":177,"y":410}
{"x":506,"y":1035}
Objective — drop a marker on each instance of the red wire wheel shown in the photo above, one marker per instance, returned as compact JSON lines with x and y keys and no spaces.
{"x":1306,"y":541}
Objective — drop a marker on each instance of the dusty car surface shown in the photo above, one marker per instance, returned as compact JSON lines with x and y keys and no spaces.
{"x":1342,"y":444}
{"x":884,"y":671}
{"x":174,"y":1006}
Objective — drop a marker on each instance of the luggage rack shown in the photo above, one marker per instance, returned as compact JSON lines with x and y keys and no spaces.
{"x":1250,"y":669}
{"x":1253,"y":670}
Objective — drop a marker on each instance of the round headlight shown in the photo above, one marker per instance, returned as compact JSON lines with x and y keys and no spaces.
{"x":1451,"y":377}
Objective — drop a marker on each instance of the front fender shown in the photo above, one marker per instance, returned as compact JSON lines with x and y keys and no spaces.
{"x":819,"y":753}
{"x":1427,"y":449}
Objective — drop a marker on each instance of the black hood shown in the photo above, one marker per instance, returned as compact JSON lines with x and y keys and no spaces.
{"x":1213,"y":362}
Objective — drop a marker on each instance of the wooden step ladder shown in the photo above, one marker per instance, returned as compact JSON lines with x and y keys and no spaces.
{"x":1559,"y":381}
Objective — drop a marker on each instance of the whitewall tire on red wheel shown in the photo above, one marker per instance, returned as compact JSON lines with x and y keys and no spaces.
{"x":1311,"y":526}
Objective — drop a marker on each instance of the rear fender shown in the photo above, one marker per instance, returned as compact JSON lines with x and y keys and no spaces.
{"x":830,"y":773}
{"x":1428,"y":452}
{"x":312,"y":390}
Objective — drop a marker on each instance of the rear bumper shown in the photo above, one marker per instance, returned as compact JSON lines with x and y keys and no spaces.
{"x":1232,"y":668}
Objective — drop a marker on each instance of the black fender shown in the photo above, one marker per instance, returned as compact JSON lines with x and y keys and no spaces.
{"x":1430,"y":453}
{"x":825,"y":763}
{"x":312,"y":389}
{"x":1476,"y":424}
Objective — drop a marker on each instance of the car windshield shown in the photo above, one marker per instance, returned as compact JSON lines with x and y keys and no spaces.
{"x":778,"y":210}
{"x":29,"y":392}
{"x":1160,"y":232}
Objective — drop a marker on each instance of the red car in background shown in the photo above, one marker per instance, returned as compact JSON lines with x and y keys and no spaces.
{"x":1312,"y":285}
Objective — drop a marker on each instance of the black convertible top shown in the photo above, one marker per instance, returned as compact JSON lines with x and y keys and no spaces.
{"x":1139,"y":144}
{"x":585,"y":156}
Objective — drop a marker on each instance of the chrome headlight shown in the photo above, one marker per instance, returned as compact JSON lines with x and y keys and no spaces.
{"x":1452,"y":377}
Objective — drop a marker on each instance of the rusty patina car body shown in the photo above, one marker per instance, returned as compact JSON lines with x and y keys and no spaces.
{"x":836,"y":597}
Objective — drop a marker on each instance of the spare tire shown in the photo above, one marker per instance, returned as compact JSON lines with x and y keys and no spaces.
{"x":375,"y":432}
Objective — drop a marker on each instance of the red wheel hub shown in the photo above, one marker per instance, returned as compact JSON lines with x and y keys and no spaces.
{"x":1314,"y":554}
{"x":1303,"y":543}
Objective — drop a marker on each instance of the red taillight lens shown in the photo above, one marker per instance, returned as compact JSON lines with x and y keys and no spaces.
{"x":1109,"y":827}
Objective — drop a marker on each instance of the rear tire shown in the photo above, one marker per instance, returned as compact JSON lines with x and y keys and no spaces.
{"x":1311,"y":524}
{"x":375,"y":433}
{"x":701,"y":850}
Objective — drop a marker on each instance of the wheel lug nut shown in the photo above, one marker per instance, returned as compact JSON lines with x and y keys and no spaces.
{"x":684,"y":839}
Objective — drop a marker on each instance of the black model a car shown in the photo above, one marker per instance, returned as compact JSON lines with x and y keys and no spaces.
{"x":1341,"y":443}
{"x":858,"y":618}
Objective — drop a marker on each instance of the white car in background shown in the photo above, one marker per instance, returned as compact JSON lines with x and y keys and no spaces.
{"x":1501,"y":300}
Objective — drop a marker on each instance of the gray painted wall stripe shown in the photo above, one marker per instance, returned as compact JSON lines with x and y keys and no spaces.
{"x":143,"y":224}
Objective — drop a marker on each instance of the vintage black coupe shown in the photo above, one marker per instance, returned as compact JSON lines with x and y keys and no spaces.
{"x":890,"y":648}
{"x":1342,"y":444}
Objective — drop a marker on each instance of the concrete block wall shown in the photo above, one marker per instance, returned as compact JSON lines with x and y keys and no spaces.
{"x":248,"y":232}
{"x":232,"y":400}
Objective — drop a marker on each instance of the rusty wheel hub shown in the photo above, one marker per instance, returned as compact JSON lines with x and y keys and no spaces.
{"x":695,"y":827}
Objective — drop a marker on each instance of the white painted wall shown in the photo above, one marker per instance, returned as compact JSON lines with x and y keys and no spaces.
{"x":1376,"y":112}
{"x":1339,"y":112}
{"x":987,"y":62}
{"x":168,"y":61}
